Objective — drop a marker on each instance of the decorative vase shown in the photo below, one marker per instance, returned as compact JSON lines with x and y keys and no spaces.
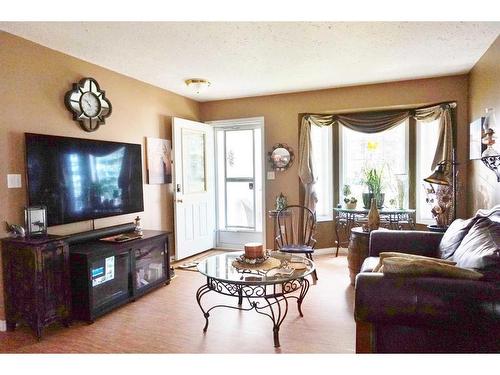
{"x":367,"y":198}
{"x":401,"y":181}
{"x":373,"y":216}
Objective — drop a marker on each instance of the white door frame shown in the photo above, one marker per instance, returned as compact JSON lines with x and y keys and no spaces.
{"x":242,"y":124}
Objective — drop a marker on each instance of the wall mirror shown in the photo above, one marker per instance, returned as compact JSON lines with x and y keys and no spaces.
{"x":281,"y":157}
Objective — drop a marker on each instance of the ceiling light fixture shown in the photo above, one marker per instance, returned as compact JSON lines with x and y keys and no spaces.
{"x":197,"y":84}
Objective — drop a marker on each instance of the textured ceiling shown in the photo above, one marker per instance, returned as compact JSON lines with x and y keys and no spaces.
{"x":258,"y":58}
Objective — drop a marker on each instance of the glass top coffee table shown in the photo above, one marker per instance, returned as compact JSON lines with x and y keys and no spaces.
{"x":265,"y":291}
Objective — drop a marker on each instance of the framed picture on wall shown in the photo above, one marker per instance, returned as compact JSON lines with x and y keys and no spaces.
{"x":159,"y":160}
{"x":476,"y":133}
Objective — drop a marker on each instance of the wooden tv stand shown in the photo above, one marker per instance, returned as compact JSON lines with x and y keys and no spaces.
{"x":59,"y":278}
{"x":105,"y":275}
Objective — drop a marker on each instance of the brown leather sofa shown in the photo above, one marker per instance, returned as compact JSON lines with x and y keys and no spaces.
{"x":398,"y":314}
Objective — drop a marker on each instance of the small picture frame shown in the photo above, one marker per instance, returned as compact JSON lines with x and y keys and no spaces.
{"x":35,"y":218}
{"x":476,"y":133}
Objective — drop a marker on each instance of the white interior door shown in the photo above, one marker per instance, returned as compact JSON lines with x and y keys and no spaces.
{"x":194,"y":188}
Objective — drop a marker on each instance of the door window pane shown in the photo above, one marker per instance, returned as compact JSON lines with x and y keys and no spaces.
{"x":239,"y":154}
{"x":193,"y":149}
{"x":258,"y":179}
{"x":240,"y":205}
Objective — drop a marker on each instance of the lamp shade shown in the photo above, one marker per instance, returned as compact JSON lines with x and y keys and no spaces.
{"x":439,"y":176}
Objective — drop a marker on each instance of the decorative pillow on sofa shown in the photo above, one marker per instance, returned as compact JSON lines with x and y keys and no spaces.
{"x":480,"y":249}
{"x":422,"y":267}
{"x":390,"y":254}
{"x":453,"y":237}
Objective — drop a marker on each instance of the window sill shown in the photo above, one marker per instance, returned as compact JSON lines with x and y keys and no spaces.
{"x":321,"y":219}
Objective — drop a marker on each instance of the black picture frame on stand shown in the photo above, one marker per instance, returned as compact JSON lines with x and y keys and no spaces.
{"x":35,"y":218}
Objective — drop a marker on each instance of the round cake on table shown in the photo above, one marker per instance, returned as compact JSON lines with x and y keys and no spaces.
{"x":254,"y":250}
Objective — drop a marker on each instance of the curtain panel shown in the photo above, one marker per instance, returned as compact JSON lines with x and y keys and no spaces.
{"x":371,"y":122}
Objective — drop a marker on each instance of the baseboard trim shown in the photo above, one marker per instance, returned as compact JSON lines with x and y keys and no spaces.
{"x":3,"y":326}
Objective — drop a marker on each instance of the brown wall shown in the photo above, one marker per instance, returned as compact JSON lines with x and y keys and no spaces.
{"x":33,"y":81}
{"x":484,"y":92}
{"x":281,"y":116}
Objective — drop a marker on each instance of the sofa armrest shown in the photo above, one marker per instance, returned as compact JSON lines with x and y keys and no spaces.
{"x":405,"y":241}
{"x":426,"y":301}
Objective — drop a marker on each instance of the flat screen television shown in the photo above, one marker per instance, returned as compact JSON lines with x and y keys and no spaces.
{"x":82,"y":179}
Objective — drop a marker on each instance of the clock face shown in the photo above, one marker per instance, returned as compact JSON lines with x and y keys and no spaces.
{"x":90,"y":104}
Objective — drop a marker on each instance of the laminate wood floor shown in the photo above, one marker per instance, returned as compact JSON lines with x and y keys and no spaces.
{"x":169,"y":320}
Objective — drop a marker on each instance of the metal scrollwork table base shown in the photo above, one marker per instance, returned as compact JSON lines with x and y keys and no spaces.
{"x":266,"y":295}
{"x":345,"y":219}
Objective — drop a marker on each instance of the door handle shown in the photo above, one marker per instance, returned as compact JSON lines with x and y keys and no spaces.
{"x":178,"y":200}
{"x":250,"y":185}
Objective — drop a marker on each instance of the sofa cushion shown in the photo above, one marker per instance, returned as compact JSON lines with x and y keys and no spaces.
{"x":480,"y":249}
{"x":453,"y":237}
{"x":424,"y":267}
{"x":369,"y":264}
{"x":390,"y":254}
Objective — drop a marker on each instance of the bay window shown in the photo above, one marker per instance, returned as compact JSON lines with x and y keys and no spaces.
{"x":387,"y":152}
{"x":343,"y":163}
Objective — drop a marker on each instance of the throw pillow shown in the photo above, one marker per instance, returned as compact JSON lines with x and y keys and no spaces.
{"x":480,"y":248}
{"x":453,"y":237}
{"x":389,"y":254}
{"x":421,"y":267}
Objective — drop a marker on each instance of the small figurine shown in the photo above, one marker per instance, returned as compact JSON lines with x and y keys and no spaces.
{"x":280,"y":202}
{"x":15,"y":230}
{"x":138,"y":228}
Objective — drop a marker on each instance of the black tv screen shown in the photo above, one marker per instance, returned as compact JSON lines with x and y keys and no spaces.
{"x":83,"y":179}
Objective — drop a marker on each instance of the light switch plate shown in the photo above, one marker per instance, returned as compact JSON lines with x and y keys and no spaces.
{"x":13,"y":181}
{"x":271,"y":175}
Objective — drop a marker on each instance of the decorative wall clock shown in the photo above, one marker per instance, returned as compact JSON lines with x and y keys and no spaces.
{"x":88,"y":104}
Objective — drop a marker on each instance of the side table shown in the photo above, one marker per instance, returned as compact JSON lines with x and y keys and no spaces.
{"x":37,"y":281}
{"x":357,"y":251}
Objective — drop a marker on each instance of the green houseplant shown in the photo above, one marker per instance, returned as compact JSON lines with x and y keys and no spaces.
{"x":372,"y":178}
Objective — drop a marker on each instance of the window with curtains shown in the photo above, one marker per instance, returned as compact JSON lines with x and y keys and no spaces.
{"x":379,"y":140}
{"x":386,"y":152}
{"x":321,"y":138}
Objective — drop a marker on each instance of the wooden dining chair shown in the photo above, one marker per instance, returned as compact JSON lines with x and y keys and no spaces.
{"x":296,"y":227}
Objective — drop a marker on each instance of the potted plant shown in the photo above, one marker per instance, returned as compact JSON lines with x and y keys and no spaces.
{"x":372,"y":178}
{"x":346,"y":191}
{"x":350,"y":203}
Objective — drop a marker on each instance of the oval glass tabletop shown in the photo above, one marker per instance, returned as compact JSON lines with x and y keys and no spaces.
{"x":221,"y":267}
